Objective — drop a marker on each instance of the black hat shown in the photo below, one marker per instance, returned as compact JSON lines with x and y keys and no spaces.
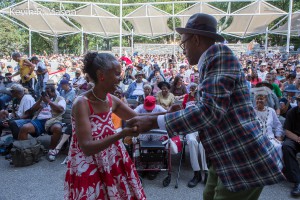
{"x":202,"y":24}
{"x":160,"y":84}
{"x":34,"y":58}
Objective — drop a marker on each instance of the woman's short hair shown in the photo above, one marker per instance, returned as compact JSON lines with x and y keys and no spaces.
{"x":147,"y":86}
{"x":94,"y":61}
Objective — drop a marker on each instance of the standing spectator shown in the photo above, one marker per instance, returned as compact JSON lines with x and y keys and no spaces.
{"x":42,"y":76}
{"x":26,"y":72}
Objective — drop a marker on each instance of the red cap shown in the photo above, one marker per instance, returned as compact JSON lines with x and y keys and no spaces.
{"x":149,"y":103}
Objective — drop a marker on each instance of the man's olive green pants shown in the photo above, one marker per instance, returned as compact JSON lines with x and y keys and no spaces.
{"x":215,"y":190}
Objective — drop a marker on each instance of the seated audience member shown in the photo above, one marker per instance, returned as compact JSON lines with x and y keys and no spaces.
{"x":87,"y":85}
{"x":290,"y":80}
{"x":268,"y":120}
{"x":117,"y":121}
{"x":284,"y":107}
{"x":67,"y":93}
{"x":49,"y":110}
{"x":147,"y":92}
{"x":21,"y":103}
{"x":254,"y":78}
{"x":178,"y":89}
{"x":5,"y":95}
{"x":272,"y":99}
{"x":196,"y":80}
{"x":78,"y":80}
{"x":155,"y":88}
{"x":291,"y":146}
{"x":67,"y":77}
{"x":270,"y":79}
{"x":290,"y":92}
{"x":194,"y":144}
{"x":164,"y":97}
{"x":135,"y":89}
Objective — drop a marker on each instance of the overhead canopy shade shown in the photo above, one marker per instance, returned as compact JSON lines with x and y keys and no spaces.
{"x":253,"y":19}
{"x":196,"y":8}
{"x":39,"y":18}
{"x":295,"y":26}
{"x":149,"y":21}
{"x":94,"y":19}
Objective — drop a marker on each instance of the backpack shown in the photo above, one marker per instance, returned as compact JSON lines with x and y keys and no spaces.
{"x":26,"y":152}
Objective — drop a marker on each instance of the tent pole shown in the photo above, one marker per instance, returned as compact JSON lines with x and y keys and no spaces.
{"x":132,"y":42}
{"x":174,"y":35}
{"x":266,"y":42}
{"x":29,"y":43}
{"x":120,"y":37}
{"x":289,"y":27}
{"x":82,"y":43}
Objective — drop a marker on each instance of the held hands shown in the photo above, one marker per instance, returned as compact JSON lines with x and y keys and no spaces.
{"x":130,"y":131}
{"x":174,"y":108}
{"x":143,"y":123}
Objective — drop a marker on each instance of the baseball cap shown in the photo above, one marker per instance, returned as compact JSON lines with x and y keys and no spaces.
{"x":149,"y":103}
{"x":64,"y":81}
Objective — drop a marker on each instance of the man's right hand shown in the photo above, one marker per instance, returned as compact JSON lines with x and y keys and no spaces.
{"x":143,"y":123}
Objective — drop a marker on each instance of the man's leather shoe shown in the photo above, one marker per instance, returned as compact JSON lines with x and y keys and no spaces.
{"x":296,"y":190}
{"x":195,"y":180}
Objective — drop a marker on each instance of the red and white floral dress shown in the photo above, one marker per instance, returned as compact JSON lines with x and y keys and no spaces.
{"x":109,"y":174}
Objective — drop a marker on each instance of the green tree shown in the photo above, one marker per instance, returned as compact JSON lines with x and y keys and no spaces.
{"x":12,"y":38}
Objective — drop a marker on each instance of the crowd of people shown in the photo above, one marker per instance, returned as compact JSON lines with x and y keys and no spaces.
{"x":35,"y":95}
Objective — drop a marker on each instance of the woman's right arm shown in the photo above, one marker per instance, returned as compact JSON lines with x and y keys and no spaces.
{"x":83,"y":129}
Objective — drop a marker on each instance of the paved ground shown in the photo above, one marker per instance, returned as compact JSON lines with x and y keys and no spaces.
{"x":44,"y":181}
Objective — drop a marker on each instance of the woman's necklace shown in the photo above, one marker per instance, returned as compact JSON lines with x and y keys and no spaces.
{"x":104,"y":101}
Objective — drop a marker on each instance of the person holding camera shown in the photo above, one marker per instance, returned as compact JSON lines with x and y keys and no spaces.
{"x":21,"y":103}
{"x":48,"y":112}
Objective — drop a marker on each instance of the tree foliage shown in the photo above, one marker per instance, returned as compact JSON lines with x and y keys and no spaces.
{"x":14,"y":38}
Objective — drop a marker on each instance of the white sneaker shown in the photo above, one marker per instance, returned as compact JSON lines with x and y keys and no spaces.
{"x":52,"y":154}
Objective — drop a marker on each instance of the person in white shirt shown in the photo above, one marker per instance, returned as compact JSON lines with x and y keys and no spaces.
{"x":262,"y":72}
{"x":78,"y":80}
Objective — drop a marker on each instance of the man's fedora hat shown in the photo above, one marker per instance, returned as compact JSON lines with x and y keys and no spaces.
{"x":202,"y":24}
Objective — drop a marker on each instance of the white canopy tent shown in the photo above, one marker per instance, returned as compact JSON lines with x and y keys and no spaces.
{"x":96,"y":20}
{"x":39,"y":18}
{"x":295,"y":26}
{"x":199,"y":7}
{"x":253,"y":19}
{"x":146,"y":23}
{"x":147,"y":20}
